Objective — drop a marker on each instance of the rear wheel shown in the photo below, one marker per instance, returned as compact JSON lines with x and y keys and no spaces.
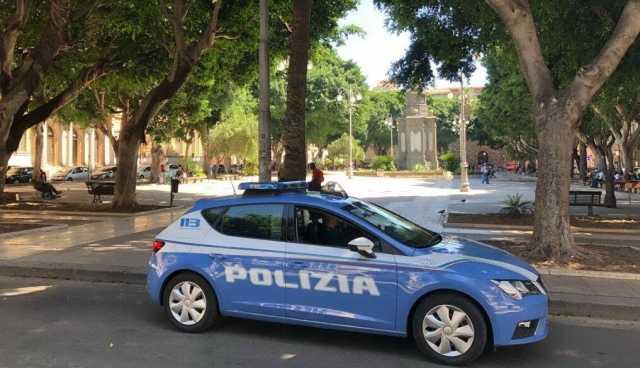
{"x":190,"y":303}
{"x":449,"y":329}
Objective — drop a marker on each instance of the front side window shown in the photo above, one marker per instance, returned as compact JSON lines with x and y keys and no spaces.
{"x":321,"y":228}
{"x":262,"y":221}
{"x":393,"y":225}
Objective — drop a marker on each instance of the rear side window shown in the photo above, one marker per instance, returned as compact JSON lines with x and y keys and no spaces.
{"x":262,"y":221}
{"x":212,"y":215}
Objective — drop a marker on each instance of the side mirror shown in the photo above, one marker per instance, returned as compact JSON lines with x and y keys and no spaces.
{"x":363,"y":246}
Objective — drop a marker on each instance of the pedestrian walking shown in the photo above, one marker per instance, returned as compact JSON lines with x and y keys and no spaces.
{"x":484,"y":169}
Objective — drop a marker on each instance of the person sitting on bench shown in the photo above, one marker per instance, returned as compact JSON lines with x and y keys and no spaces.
{"x":47,"y":190}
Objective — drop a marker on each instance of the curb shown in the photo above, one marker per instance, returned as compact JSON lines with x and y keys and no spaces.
{"x":586,"y":273}
{"x":561,"y":304}
{"x":463,"y":225}
{"x":585,"y":306}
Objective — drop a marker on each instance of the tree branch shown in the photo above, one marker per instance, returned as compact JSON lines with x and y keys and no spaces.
{"x":8,"y":40}
{"x":591,"y":77}
{"x":516,"y":16}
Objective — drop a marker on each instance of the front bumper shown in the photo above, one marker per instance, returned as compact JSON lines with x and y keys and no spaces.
{"x":531,"y":311}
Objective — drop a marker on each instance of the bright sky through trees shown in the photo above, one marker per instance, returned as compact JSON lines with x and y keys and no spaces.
{"x":376,"y":51}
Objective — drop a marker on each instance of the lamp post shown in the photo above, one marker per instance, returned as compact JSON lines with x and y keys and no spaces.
{"x":464,"y":175}
{"x":389,"y":122}
{"x":351,"y":102}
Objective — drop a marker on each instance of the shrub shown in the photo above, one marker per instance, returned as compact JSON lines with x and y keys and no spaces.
{"x":515,"y":206}
{"x":193,"y":168}
{"x":383,"y":163}
{"x":419,"y":167}
{"x":450,"y":162}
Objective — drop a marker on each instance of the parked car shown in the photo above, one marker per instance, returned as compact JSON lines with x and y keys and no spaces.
{"x":78,"y":173}
{"x":105,"y":173}
{"x":144,"y":173}
{"x":282,"y":254}
{"x":19,"y":175}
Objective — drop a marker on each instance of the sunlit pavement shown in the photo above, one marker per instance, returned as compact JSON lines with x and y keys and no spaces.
{"x":49,"y":323}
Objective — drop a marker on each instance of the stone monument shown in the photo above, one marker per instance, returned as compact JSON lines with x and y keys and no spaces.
{"x":417,"y":135}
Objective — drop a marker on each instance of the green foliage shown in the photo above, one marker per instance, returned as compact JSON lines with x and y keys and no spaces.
{"x":383,"y":163}
{"x":515,"y":206}
{"x":339,"y":151}
{"x":446,"y":111}
{"x":450,"y":161}
{"x":235,"y":135}
{"x":378,"y":107}
{"x":504,"y":114}
{"x":192,"y":167}
{"x":418,"y":168}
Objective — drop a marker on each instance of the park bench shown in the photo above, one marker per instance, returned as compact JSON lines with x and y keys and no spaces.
{"x":588,"y":198}
{"x":100,"y":188}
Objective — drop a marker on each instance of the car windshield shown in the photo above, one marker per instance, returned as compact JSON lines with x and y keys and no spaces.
{"x":394,"y":225}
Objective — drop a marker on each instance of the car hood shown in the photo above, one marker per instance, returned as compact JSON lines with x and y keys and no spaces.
{"x":455,"y":250}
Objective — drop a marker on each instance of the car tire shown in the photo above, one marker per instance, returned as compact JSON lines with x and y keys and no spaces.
{"x":449,"y":329}
{"x":199,"y":317}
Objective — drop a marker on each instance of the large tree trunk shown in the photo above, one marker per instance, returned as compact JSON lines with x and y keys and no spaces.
{"x":126,"y":176}
{"x":582,"y":165}
{"x":264,"y":165}
{"x":4,"y":163}
{"x":552,"y":229}
{"x":626,"y":151}
{"x":609,"y":171}
{"x":36,"y":159}
{"x":295,"y":160}
{"x":156,"y":159}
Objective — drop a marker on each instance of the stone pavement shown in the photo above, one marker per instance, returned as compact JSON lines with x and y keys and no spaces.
{"x":117,"y":249}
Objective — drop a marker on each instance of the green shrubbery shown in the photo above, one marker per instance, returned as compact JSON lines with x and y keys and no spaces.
{"x":193,"y":168}
{"x":450,"y":162}
{"x":383,"y":163}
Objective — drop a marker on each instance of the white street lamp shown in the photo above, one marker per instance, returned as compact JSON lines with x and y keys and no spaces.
{"x":351,"y":102}
{"x":389,"y":122}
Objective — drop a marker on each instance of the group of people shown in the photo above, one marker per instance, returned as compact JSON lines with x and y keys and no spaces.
{"x":487,"y":172}
{"x":597,"y":177}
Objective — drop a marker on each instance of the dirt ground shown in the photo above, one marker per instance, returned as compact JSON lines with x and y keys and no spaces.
{"x":527,"y":220}
{"x":600,"y":258}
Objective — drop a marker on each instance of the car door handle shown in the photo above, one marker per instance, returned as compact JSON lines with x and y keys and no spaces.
{"x":297,"y":265}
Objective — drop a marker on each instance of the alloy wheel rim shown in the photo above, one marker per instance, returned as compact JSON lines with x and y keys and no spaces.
{"x":187,"y":303}
{"x":448,"y":330}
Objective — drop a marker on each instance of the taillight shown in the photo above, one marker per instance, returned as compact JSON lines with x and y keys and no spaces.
{"x":157,"y":245}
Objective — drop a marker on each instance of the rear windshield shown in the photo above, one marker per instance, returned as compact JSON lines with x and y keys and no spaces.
{"x":393,"y":225}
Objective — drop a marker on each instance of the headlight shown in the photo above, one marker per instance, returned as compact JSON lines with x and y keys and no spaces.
{"x":517,"y":289}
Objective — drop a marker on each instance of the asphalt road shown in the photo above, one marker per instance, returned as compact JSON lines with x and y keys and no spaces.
{"x":50,"y":323}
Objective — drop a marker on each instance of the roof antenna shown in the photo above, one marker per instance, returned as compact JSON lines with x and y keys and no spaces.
{"x":233,"y":187}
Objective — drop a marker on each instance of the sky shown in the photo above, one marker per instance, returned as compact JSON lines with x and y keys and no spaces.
{"x":379,"y":48}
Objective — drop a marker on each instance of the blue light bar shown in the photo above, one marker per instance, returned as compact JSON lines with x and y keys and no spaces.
{"x":274,"y":185}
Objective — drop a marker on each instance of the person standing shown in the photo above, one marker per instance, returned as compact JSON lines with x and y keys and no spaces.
{"x":317,"y":177}
{"x":485,"y":173}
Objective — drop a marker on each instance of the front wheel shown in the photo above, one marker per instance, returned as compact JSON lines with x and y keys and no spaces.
{"x":449,"y":329}
{"x":190,"y":303}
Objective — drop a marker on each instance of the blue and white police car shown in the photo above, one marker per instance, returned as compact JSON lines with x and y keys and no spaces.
{"x":283,"y":254}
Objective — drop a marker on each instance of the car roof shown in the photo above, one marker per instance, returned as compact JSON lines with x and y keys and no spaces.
{"x":285,"y":197}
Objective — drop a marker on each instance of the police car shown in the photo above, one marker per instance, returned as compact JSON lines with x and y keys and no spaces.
{"x":284,"y":254}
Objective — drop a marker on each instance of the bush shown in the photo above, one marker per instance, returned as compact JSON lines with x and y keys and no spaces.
{"x":193,"y":168}
{"x":515,"y":206}
{"x":419,"y":168}
{"x":450,"y":162}
{"x":383,"y":163}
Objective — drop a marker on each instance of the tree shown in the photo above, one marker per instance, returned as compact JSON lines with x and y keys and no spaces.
{"x":504,"y":108}
{"x":190,"y":41}
{"x":596,"y":133}
{"x":451,"y":32}
{"x":264,"y":89}
{"x":35,"y":38}
{"x":339,"y":151}
{"x":235,"y":134}
{"x":446,"y":111}
{"x":304,"y":31}
{"x":295,"y":157}
{"x":380,"y":106}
